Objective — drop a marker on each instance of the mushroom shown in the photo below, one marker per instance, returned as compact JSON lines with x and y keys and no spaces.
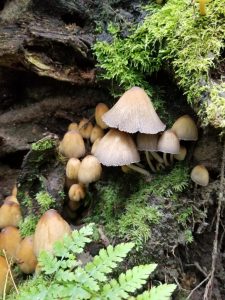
{"x":168,"y":143}
{"x":10,"y":214}
{"x":25,"y":256}
{"x":4,"y":276}
{"x":94,"y":146}
{"x":200,"y":175}
{"x":97,"y":132}
{"x":185,"y":128}
{"x":9,"y":241}
{"x":85,"y":128}
{"x":11,"y":199}
{"x":117,"y":148}
{"x":73,"y":126}
{"x":72,"y":145}
{"x":134,"y":112}
{"x":90,"y":170}
{"x":50,"y":228}
{"x":76,"y":192}
{"x":182,"y":153}
{"x":100,"y":109}
{"x":72,"y":168}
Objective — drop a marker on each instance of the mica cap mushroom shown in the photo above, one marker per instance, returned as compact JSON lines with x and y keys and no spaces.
{"x":10,"y":241}
{"x":117,"y":148}
{"x":10,"y":214}
{"x":25,"y":256}
{"x":200,"y":175}
{"x":90,"y":170}
{"x":72,"y":145}
{"x":185,"y":128}
{"x":50,"y":228}
{"x":134,"y":112}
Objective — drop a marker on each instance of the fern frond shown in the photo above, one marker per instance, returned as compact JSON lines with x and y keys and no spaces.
{"x":107,"y":260}
{"x":128,"y":282}
{"x":161,"y":292}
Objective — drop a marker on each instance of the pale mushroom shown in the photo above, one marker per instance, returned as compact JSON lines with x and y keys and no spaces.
{"x":90,"y":170}
{"x":85,"y":128}
{"x":200,"y":175}
{"x":25,"y":256}
{"x":77,"y":192}
{"x":185,"y":128}
{"x":100,"y":110}
{"x":9,"y":241}
{"x":72,"y":145}
{"x":10,"y":214}
{"x":72,"y":168}
{"x":97,"y":132}
{"x":168,"y":143}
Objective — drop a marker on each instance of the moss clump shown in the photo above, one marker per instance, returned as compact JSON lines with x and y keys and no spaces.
{"x":44,"y":144}
{"x":28,"y":225}
{"x":172,"y":35}
{"x":45,"y":200}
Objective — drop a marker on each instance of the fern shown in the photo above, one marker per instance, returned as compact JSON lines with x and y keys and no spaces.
{"x":63,"y":277}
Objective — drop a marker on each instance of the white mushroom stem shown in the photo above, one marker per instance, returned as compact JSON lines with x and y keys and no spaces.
{"x":139,"y":170}
{"x":149,"y":161}
{"x":165,"y":159}
{"x":157,"y":157}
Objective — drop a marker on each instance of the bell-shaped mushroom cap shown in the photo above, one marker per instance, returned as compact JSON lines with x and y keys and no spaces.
{"x":185,"y":128}
{"x":25,"y":256}
{"x":10,"y":241}
{"x":72,"y":145}
{"x":97,"y":132}
{"x":200,"y":175}
{"x":72,"y":168}
{"x":4,"y":268}
{"x":76,"y":192}
{"x":134,"y":112}
{"x":182,"y":153}
{"x":147,"y":142}
{"x":10,"y":214}
{"x":73,"y":126}
{"x":90,"y":170}
{"x":168,"y":142}
{"x":85,"y":128}
{"x":100,"y":109}
{"x":117,"y":148}
{"x":94,"y":146}
{"x":50,"y":228}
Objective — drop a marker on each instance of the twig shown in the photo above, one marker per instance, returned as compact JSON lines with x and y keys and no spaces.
{"x":198,"y":286}
{"x":10,"y":272}
{"x":209,"y":286}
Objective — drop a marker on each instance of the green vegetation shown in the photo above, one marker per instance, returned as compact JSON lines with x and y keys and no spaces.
{"x":128,"y":212}
{"x":64,"y":277}
{"x":28,"y":225}
{"x":172,"y":35}
{"x":44,"y":144}
{"x":45,"y":200}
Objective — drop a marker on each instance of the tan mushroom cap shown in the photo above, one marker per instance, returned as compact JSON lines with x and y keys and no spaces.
{"x":3,"y":275}
{"x":10,"y":214}
{"x":182,"y":153}
{"x":185,"y":128}
{"x":134,"y":112}
{"x":94,"y":146}
{"x":25,"y":256}
{"x":85,"y":128}
{"x":97,"y":132}
{"x":50,"y":228}
{"x":73,"y":126}
{"x":72,"y":168}
{"x":72,"y":145}
{"x":200,"y":175}
{"x":168,"y":142}
{"x":90,"y":170}
{"x":147,"y":142}
{"x":100,"y":110}
{"x":117,"y":148}
{"x":77,"y":192}
{"x":10,"y":241}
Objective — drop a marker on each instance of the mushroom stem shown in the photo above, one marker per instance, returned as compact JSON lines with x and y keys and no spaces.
{"x":165,"y":159}
{"x":149,"y":162}
{"x":157,"y":157}
{"x":139,"y":170}
{"x":171,"y":159}
{"x":160,"y":166}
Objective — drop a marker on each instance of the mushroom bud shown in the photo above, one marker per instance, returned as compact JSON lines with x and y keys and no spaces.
{"x":73,"y":126}
{"x":72,"y":168}
{"x":100,"y":110}
{"x":50,"y":228}
{"x":85,"y":128}
{"x":200,"y":175}
{"x":4,"y":275}
{"x":76,"y":192}
{"x":185,"y":128}
{"x":97,"y":132}
{"x":10,"y":214}
{"x":90,"y":170}
{"x":25,"y":256}
{"x":72,"y":145}
{"x":9,"y":241}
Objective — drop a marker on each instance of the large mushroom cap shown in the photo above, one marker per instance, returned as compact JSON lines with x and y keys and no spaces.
{"x":185,"y":128}
{"x":50,"y":228}
{"x":169,"y":143}
{"x":200,"y":175}
{"x":134,"y":112}
{"x":147,"y":142}
{"x":117,"y":148}
{"x":90,"y":170}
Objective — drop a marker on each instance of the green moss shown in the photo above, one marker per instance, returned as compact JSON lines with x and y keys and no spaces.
{"x":45,"y":200}
{"x":171,"y":35}
{"x":28,"y":225}
{"x":44,"y":144}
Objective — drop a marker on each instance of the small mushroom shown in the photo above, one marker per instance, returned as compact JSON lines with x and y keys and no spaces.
{"x":182,"y":154}
{"x":4,"y":276}
{"x":200,"y":175}
{"x":97,"y":132}
{"x":72,"y":168}
{"x":76,"y":192}
{"x":100,"y":110}
{"x":94,"y":146}
{"x":50,"y":228}
{"x":73,"y":126}
{"x":90,"y":170}
{"x":85,"y":128}
{"x":72,"y":145}
{"x":168,"y":143}
{"x":25,"y":256}
{"x":10,"y":214}
{"x":134,"y":112}
{"x":185,"y":128}
{"x":10,"y":241}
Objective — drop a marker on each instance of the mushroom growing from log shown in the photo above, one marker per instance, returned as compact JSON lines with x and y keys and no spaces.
{"x":85,"y":128}
{"x":90,"y":170}
{"x":72,"y":145}
{"x":72,"y":168}
{"x":10,"y":241}
{"x":97,"y":132}
{"x":76,"y":192}
{"x":10,"y":214}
